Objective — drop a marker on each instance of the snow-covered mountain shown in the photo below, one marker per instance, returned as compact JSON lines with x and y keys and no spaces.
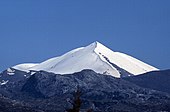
{"x":94,"y":56}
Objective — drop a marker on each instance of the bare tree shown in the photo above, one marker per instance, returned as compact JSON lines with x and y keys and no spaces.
{"x":76,"y":103}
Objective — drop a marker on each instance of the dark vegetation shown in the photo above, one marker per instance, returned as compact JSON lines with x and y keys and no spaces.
{"x":8,"y":105}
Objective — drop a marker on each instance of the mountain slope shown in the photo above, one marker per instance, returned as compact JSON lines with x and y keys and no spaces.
{"x":96,"y":57}
{"x":157,"y":80}
{"x":103,"y":93}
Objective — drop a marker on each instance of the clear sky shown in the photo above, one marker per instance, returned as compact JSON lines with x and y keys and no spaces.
{"x":35,"y":30}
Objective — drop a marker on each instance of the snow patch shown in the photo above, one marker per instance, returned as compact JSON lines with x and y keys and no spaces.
{"x":4,"y":82}
{"x":24,"y":67}
{"x":10,"y":71}
{"x":32,"y":73}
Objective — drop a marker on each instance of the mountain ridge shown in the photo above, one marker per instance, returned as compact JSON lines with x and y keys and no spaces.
{"x":94,"y":56}
{"x":157,"y":80}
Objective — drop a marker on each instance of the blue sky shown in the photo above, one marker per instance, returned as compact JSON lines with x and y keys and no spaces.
{"x":35,"y":30}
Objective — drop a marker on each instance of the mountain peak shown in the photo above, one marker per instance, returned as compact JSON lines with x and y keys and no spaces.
{"x":96,"y":43}
{"x":93,"y":45}
{"x":97,"y":46}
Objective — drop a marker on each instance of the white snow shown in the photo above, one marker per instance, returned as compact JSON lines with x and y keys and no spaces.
{"x":90,"y":57}
{"x":74,"y":61}
{"x":10,"y":71}
{"x":32,"y":73}
{"x":124,"y":61}
{"x":24,"y":67}
{"x":3,"y":82}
